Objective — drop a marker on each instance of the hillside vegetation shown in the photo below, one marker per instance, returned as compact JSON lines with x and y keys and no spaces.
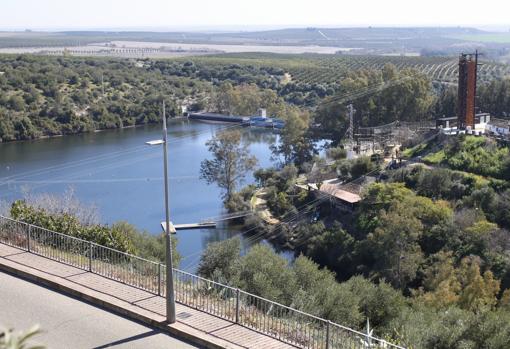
{"x":43,"y":96}
{"x":47,"y":96}
{"x":425,"y":256}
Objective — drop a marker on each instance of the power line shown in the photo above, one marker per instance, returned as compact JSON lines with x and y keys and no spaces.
{"x":305,"y":208}
{"x":103,"y":180}
{"x":133,"y":150}
{"x":141,"y":150}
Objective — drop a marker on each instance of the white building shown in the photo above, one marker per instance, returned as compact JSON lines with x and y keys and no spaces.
{"x":498,"y":127}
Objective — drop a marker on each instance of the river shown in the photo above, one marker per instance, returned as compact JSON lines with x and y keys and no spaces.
{"x":115,"y":171}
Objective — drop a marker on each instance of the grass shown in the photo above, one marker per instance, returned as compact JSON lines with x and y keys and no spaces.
{"x":434,"y":158}
{"x":414,"y":151}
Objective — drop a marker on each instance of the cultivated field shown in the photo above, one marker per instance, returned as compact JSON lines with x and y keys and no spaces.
{"x":330,"y":68}
{"x":164,"y":49}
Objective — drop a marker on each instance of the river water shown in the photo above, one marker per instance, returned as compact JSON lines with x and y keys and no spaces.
{"x":123,"y":177}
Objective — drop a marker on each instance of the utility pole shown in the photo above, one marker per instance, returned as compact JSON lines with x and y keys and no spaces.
{"x":169,"y":228}
{"x":351,"y":123}
{"x":102,"y":84}
{"x":170,"y":301}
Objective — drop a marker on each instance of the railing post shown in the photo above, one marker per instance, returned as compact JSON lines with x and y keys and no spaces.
{"x":159,"y":279}
{"x":237,"y":305}
{"x":327,"y":334}
{"x":90,"y":257}
{"x":28,"y":237}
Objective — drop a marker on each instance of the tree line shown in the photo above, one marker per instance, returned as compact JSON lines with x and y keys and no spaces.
{"x":47,"y":96}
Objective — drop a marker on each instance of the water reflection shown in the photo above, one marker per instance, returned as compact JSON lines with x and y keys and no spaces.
{"x":116,"y":172}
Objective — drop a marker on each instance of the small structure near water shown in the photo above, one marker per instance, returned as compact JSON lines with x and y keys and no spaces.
{"x":343,"y":195}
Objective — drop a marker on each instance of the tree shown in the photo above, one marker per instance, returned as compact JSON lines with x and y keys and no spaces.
{"x":314,"y":286}
{"x":464,"y":286}
{"x":361,"y":166}
{"x":337,"y":153}
{"x":295,"y":146}
{"x":17,"y":103}
{"x":395,"y":245}
{"x":147,"y":245}
{"x":441,"y":282}
{"x":266,"y":274}
{"x":221,"y":261}
{"x":380,"y":303}
{"x":231,"y":161}
{"x":478,"y":290}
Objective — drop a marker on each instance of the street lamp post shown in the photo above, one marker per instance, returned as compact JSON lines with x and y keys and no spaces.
{"x":170,"y":299}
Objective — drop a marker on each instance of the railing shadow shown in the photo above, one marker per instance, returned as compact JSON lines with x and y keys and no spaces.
{"x":129,"y":339}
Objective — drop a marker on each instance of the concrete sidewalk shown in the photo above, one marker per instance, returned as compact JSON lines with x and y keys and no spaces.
{"x":196,"y":326}
{"x":65,"y":320}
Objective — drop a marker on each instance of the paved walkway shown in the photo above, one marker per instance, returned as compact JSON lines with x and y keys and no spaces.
{"x":115,"y":295}
{"x":67,"y":323}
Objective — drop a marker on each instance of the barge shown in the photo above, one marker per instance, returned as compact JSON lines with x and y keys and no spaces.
{"x":260,"y":120}
{"x":213,"y":117}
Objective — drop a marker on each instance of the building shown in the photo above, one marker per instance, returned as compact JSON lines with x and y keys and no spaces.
{"x":498,"y":127}
{"x":450,"y":125}
{"x":345,"y":196}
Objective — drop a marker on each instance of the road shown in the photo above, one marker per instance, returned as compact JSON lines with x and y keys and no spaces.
{"x":70,"y":323}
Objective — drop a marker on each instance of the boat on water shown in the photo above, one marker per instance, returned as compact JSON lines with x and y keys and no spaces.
{"x":260,"y":120}
{"x":213,"y":117}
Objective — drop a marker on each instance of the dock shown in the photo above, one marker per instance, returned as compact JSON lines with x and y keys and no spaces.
{"x":175,"y":227}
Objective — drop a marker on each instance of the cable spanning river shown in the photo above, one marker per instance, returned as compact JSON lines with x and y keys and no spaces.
{"x":118,"y":173}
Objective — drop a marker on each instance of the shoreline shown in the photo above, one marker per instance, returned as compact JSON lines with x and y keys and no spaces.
{"x":99,"y":130}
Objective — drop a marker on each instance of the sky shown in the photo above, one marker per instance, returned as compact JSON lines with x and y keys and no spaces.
{"x":248,"y":14}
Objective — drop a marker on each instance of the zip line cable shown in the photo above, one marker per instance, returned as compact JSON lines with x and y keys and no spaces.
{"x":291,"y":219}
{"x":262,"y":234}
{"x":96,"y":158}
{"x":315,"y":202}
{"x":91,"y":160}
{"x":103,"y":180}
{"x":342,"y":98}
{"x":422,"y":142}
{"x":365,"y":91}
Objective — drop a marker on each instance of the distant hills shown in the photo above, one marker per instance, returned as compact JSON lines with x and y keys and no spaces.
{"x":369,"y":40}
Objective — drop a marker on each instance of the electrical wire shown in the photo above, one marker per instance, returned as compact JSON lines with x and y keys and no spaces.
{"x":307,"y":207}
{"x":140,"y":150}
{"x":107,"y":156}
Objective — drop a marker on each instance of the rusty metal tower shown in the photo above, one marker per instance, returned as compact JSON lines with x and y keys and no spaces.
{"x":468,"y":65}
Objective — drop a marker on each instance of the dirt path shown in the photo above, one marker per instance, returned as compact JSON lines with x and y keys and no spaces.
{"x":259,"y":206}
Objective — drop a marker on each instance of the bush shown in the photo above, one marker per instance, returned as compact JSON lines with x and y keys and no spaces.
{"x":70,"y":225}
{"x":221,"y":261}
{"x":337,"y":153}
{"x":266,"y":274}
{"x":121,"y":236}
{"x":361,"y":166}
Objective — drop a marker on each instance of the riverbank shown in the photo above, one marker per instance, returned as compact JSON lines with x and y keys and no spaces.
{"x":99,"y":130}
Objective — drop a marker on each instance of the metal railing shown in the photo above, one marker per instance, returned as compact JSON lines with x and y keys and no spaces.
{"x":262,"y":315}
